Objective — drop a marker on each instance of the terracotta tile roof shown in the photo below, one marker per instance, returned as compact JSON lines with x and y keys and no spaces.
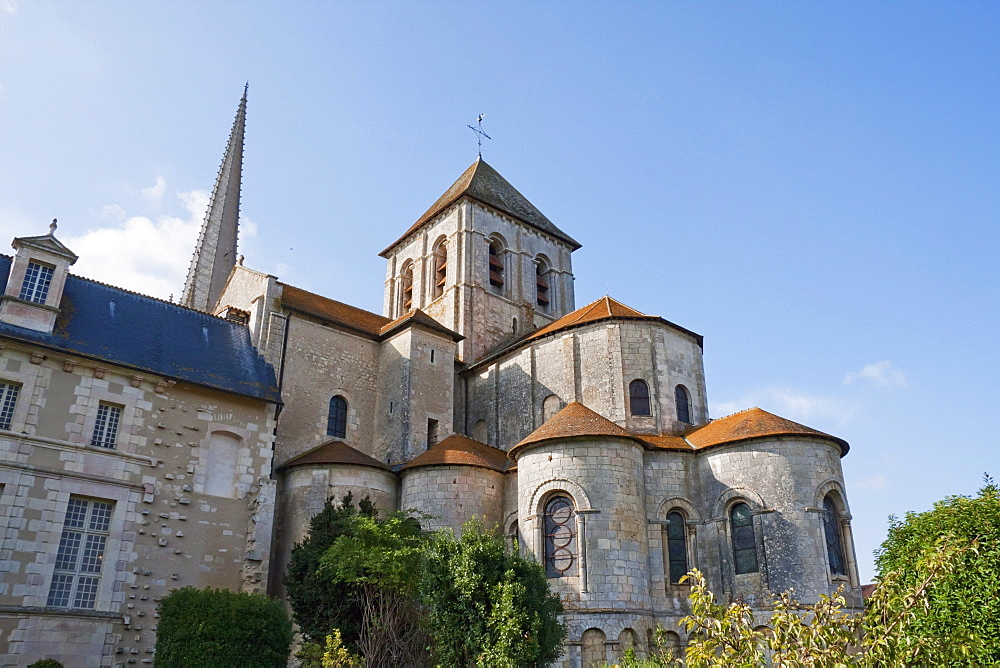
{"x":416,"y":316}
{"x":663,"y":442}
{"x":603,"y":309}
{"x":752,"y":423}
{"x":484,"y":184}
{"x":333,"y":452}
{"x":572,"y":421}
{"x":867,"y":590}
{"x":458,"y":450}
{"x":332,"y":311}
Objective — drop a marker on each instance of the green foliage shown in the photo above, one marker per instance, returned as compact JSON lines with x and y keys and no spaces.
{"x":385,"y":552}
{"x":45,"y":663}
{"x":216,"y":627}
{"x":331,"y":655}
{"x":966,"y":598}
{"x":488,"y":607}
{"x":318,"y":602}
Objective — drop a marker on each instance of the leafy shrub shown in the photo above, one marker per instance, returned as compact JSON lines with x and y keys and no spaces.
{"x":220,"y":628}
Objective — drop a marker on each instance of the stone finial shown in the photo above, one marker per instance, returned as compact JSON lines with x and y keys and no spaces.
{"x":52,"y":227}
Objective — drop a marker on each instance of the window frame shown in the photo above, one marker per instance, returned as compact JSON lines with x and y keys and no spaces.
{"x":337,"y":419}
{"x":440,"y":255}
{"x":739,"y":537}
{"x":670,"y":541}
{"x":638,"y":392}
{"x":682,"y":398}
{"x":9,"y":394}
{"x":833,"y":535}
{"x":554,"y":554}
{"x":75,"y":580}
{"x":107,"y":425}
{"x":37,"y":282}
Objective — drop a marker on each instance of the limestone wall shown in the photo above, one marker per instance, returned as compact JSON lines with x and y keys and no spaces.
{"x":188,"y":483}
{"x":451,"y":495}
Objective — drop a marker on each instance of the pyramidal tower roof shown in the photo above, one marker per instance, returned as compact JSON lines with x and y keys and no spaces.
{"x":215,"y":253}
{"x":485,"y":185}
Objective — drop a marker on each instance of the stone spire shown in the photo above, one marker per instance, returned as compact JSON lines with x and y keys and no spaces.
{"x":215,"y":253}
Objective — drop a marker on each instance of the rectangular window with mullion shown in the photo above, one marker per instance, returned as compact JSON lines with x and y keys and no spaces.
{"x":106,"y":426}
{"x":81,"y":554}
{"x":8,"y":399}
{"x":37,"y":279}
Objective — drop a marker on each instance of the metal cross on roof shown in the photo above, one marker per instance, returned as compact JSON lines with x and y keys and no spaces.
{"x":479,"y":133}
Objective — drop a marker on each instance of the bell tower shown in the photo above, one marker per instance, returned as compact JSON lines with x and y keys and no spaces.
{"x":484,"y":262}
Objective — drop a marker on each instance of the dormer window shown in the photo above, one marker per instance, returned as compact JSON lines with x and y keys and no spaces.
{"x":37,"y":280}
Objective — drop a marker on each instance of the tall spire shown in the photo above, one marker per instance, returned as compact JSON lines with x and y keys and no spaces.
{"x":215,"y":252}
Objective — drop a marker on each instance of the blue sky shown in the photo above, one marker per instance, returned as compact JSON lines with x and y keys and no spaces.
{"x":814,"y":187}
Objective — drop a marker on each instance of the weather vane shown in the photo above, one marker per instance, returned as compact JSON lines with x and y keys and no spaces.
{"x":480,"y":134}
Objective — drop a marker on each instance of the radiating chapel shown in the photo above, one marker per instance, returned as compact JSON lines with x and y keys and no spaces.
{"x":195,"y":445}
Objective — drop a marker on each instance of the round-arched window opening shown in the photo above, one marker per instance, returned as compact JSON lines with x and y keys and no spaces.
{"x":560,"y":537}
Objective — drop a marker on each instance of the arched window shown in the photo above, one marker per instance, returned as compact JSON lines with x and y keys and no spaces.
{"x":744,"y":541}
{"x":336,"y":419}
{"x":550,"y":406}
{"x":542,"y":284}
{"x":496,"y":264}
{"x":593,"y":650}
{"x":683,"y":401}
{"x":513,"y":537}
{"x":638,"y":397}
{"x":406,"y":287}
{"x":479,"y":431}
{"x":677,"y":558}
{"x":440,"y":269}
{"x":560,"y":537}
{"x":834,"y":539}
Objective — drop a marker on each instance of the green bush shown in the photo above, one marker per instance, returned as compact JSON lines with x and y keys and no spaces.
{"x":45,"y":663}
{"x":220,"y":628}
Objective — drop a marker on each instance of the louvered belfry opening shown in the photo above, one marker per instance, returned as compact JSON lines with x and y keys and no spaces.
{"x":407,"y":288}
{"x":496,"y":264}
{"x":541,"y":285}
{"x":440,"y":269}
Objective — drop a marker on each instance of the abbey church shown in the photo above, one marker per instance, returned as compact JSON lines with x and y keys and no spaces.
{"x":147,"y":445}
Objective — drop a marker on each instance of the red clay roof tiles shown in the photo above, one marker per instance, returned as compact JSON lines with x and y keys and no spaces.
{"x":458,"y":450}
{"x":752,"y":423}
{"x":333,"y":452}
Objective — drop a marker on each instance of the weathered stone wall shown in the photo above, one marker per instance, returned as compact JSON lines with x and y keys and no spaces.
{"x":451,"y":495}
{"x":322,"y":362}
{"x":188,"y":479}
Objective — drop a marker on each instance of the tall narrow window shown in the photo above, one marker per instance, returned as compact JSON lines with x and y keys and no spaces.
{"x":744,"y":541}
{"x":676,"y":547}
{"x":81,"y":554}
{"x":432,"y":433}
{"x":834,"y":539}
{"x":550,"y":406}
{"x":109,"y":417}
{"x":560,"y":537}
{"x":638,"y":397}
{"x":336,"y":419}
{"x":496,"y":264}
{"x":8,"y":399}
{"x":406,"y":288}
{"x":440,"y":269}
{"x":37,"y":279}
{"x":541,"y":284}
{"x":683,"y":401}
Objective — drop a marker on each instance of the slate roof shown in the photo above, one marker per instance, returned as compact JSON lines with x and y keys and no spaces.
{"x":459,"y":450}
{"x":485,"y":185}
{"x":753,"y":423}
{"x":109,"y":324}
{"x":333,"y":452}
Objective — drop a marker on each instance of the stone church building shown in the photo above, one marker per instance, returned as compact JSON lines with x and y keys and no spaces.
{"x":146,"y":445}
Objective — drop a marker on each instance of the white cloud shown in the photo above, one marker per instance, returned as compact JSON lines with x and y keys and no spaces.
{"x":139,"y":253}
{"x":877,"y":481}
{"x":791,"y":404}
{"x":879,"y":374}
{"x":8,"y":6}
{"x":154,"y":193}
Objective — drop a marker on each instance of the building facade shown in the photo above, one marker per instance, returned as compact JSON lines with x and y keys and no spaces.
{"x":482,"y":390}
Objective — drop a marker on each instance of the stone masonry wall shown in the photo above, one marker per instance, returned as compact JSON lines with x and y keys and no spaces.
{"x":188,"y":480}
{"x":451,"y":495}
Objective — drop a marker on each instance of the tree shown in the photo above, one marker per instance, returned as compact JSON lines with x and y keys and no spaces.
{"x":319,"y":603}
{"x":217,"y":627}
{"x":487,"y":606}
{"x":967,"y":598}
{"x":380,"y":561}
